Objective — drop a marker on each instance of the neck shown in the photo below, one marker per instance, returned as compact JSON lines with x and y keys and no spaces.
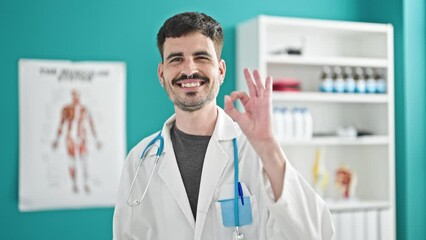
{"x":200,"y":122}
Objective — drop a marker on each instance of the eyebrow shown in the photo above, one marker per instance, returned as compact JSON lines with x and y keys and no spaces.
{"x":201,"y":53}
{"x":175,"y":54}
{"x":180,"y":54}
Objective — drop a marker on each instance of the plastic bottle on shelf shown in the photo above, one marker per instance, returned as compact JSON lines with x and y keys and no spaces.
{"x":326,"y":80}
{"x":338,"y":83}
{"x":278,"y":123}
{"x":349,"y":80}
{"x":307,"y":123}
{"x":360,"y":85}
{"x":371,"y":82}
{"x":380,"y":81}
{"x":288,"y":123}
{"x":298,"y":124}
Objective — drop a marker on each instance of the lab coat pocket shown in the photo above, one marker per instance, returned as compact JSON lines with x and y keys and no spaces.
{"x":224,"y":214}
{"x":228,"y":211}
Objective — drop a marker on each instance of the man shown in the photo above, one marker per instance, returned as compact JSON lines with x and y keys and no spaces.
{"x":195,"y":173}
{"x":76,"y":119}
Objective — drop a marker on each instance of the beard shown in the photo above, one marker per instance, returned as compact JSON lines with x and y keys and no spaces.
{"x":192,"y":101}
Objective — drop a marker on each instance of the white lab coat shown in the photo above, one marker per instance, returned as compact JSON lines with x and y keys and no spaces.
{"x":165,"y":213}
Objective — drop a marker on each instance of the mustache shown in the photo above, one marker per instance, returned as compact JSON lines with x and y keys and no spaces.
{"x":184,"y":77}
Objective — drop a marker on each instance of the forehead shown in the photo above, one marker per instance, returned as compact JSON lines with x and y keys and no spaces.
{"x":188,"y":44}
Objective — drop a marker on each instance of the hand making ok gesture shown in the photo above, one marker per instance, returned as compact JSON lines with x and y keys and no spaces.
{"x":256,"y":124}
{"x":256,"y":121}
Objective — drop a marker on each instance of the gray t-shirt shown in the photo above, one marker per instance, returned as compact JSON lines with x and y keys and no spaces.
{"x":190,"y":151}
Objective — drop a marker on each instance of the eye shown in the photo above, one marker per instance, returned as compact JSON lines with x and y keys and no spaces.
{"x":202,"y":58}
{"x":177,"y":59}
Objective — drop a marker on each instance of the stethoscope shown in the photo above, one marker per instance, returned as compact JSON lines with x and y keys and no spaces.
{"x":143,"y":156}
{"x":237,"y":235}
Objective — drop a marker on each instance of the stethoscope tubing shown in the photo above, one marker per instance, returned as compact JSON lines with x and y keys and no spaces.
{"x":137,"y":202}
{"x":143,"y":157}
{"x":236,"y":194}
{"x":158,"y":155}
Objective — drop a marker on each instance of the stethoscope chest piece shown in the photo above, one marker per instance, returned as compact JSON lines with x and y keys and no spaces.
{"x":237,"y":235}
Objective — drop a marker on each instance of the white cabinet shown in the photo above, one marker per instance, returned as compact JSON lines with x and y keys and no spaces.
{"x":269,"y":44}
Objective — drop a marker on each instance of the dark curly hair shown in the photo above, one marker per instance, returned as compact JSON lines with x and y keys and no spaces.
{"x":190,"y":22}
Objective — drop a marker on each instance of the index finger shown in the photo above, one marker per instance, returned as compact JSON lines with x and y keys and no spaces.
{"x":250,"y":83}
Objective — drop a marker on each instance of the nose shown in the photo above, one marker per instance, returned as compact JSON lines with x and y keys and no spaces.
{"x":189,"y":68}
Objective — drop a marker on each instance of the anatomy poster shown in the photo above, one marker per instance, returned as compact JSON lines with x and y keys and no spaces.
{"x":72,"y":139}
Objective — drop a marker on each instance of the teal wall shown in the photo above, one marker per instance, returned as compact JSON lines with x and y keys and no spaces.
{"x":125,"y":31}
{"x":409,"y":20}
{"x":415,"y":116}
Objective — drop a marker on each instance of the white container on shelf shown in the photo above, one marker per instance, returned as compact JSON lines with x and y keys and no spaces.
{"x":307,"y":123}
{"x":371,"y":82}
{"x":349,"y":81}
{"x":278,"y":123}
{"x":288,"y":124}
{"x":326,"y":84}
{"x":338,"y":83}
{"x":298,"y":124}
{"x":380,"y":82}
{"x":360,"y":84}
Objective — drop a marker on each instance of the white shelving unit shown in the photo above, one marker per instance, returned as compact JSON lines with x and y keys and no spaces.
{"x":321,"y":61}
{"x":326,"y":97}
{"x":337,"y":141}
{"x":371,"y":212}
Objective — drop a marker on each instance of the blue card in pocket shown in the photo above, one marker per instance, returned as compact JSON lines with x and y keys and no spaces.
{"x":227,"y":208}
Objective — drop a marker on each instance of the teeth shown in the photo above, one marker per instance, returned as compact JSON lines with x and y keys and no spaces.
{"x":189,"y":85}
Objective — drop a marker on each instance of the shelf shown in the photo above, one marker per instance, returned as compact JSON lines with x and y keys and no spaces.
{"x":323,"y":25}
{"x":351,"y":205}
{"x":327,"y":61}
{"x":321,"y":141}
{"x":329,"y":97}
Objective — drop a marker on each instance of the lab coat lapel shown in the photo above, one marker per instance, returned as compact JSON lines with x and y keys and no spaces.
{"x":215,"y":162}
{"x":169,"y":173}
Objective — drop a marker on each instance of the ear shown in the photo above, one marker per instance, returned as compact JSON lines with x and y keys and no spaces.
{"x":222,"y":70}
{"x":160,"y":74}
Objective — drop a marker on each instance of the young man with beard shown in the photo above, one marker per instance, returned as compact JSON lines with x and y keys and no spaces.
{"x":192,"y":190}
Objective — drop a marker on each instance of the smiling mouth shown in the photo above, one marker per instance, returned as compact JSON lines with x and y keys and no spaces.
{"x":190,"y":83}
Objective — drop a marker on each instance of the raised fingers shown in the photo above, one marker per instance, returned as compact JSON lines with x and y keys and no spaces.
{"x":259,"y":85}
{"x":256,"y":87}
{"x":268,"y":86}
{"x":250,"y":83}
